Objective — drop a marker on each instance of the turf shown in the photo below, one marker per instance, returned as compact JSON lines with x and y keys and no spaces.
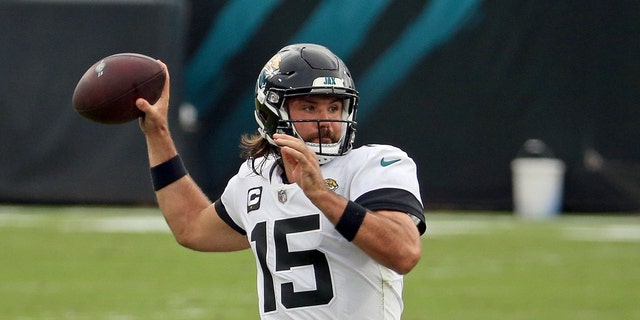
{"x":84,"y":263}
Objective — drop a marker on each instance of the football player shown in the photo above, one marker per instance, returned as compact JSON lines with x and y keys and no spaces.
{"x":333,"y":228}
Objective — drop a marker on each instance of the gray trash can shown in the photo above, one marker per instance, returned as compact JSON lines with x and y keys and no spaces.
{"x":538,"y":181}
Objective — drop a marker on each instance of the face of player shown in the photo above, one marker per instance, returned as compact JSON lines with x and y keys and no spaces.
{"x":317,"y":107}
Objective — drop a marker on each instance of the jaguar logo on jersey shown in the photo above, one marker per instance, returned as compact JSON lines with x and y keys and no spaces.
{"x":331,"y":184}
{"x":253,"y":199}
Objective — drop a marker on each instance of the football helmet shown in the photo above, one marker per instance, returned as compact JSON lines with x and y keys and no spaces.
{"x":299,"y":70}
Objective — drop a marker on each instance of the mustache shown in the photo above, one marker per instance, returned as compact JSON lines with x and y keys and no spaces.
{"x":324,"y":135}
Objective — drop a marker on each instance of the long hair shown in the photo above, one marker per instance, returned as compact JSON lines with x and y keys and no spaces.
{"x":254,"y":147}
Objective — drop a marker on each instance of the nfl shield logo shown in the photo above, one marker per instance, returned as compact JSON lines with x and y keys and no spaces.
{"x":282,"y":196}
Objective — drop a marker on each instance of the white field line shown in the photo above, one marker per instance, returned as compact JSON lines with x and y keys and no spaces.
{"x":139,"y":224}
{"x":474,"y":225}
{"x":151,"y":223}
{"x":86,"y":223}
{"x":446,"y":228}
{"x":605,"y":232}
{"x":613,"y":232}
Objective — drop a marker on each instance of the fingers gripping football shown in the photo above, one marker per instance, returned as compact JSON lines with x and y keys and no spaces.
{"x":156,"y":115}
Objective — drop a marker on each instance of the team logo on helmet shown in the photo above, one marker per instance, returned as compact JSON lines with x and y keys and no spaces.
{"x":328,"y":82}
{"x":272,"y":68}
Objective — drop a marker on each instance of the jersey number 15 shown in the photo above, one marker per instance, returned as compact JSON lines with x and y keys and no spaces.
{"x":285,"y":260}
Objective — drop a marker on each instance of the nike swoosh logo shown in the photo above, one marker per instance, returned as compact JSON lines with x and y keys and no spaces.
{"x":385,"y":163}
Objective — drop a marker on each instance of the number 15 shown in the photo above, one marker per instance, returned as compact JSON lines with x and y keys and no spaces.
{"x":285,"y":260}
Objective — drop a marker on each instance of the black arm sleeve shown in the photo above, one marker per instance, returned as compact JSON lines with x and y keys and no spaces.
{"x":396,"y":200}
{"x":224,"y":215}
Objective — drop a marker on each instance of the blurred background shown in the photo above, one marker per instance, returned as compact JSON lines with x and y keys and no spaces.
{"x":460,"y":85}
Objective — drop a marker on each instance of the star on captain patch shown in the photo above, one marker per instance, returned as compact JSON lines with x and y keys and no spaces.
{"x":331,"y":184}
{"x":282,"y":196}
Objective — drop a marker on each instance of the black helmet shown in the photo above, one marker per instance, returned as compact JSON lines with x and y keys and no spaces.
{"x":299,"y":70}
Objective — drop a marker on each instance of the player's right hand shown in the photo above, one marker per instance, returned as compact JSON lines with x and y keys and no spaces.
{"x":156,"y":115}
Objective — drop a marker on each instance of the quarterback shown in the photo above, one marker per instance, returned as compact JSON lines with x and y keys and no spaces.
{"x":333,"y":228}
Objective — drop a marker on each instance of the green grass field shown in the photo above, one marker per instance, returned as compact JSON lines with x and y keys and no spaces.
{"x":123,"y":264}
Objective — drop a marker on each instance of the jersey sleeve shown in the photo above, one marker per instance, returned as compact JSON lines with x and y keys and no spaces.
{"x":395,"y":200}
{"x":224,"y":215}
{"x":388,"y":180}
{"x":226,"y":205}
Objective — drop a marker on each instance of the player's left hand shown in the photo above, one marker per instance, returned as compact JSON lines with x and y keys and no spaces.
{"x":302,"y":163}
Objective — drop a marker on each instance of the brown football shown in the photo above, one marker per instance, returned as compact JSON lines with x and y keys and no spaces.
{"x":107,"y":92}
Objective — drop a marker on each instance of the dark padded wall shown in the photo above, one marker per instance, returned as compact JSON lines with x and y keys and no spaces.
{"x":561,"y":71}
{"x":460,"y":85}
{"x":48,"y":152}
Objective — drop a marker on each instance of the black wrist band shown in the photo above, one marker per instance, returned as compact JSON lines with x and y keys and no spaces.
{"x":167,"y":172}
{"x":351,"y":220}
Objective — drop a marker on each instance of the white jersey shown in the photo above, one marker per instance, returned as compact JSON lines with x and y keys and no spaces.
{"x":306,"y":269}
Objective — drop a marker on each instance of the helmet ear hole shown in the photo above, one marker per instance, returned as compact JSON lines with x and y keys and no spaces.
{"x":266,"y":118}
{"x":286,"y":127}
{"x":263,"y":115}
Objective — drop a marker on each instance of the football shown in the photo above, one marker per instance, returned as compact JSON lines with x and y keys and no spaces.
{"x":108,"y":90}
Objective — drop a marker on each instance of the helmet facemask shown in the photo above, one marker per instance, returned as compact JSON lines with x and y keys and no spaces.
{"x":276,"y":119}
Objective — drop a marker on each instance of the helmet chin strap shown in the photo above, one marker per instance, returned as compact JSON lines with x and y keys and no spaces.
{"x":325,"y":159}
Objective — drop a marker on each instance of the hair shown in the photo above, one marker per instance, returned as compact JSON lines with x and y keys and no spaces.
{"x":253,"y":147}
